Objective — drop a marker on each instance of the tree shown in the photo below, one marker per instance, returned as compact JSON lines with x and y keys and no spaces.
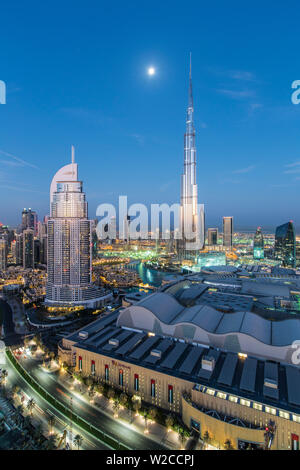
{"x":38,"y":433}
{"x":123,"y":399}
{"x":51,"y":442}
{"x":78,"y":440}
{"x":228,"y":445}
{"x":30,"y":405}
{"x":169,"y":421}
{"x":136,"y":405}
{"x":116,"y":407}
{"x":51,"y":423}
{"x":181,"y":436}
{"x":4,"y":375}
{"x":111,"y":393}
{"x":206,"y":438}
{"x":153,"y":413}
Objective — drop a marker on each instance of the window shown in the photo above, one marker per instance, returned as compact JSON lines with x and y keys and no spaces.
{"x":210,"y":391}
{"x":136,"y":383}
{"x":284,"y":414}
{"x":257,"y":406}
{"x":296,"y":418}
{"x":153,"y":388}
{"x":233,"y":398}
{"x":121,"y":377}
{"x":222,"y":395}
{"x":170,"y":394}
{"x":244,"y":402}
{"x":80,"y":363}
{"x":106,"y":373}
{"x":270,"y":410}
{"x":93,"y":367}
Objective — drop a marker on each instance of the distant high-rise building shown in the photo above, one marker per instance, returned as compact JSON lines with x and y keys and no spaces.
{"x":285,"y":245}
{"x":212,"y":236}
{"x":191,"y":221}
{"x":227,"y":231}
{"x":258,"y":244}
{"x":3,"y":254}
{"x":28,"y":249}
{"x":69,"y":262}
{"x":29,"y":220}
{"x":19,"y":248}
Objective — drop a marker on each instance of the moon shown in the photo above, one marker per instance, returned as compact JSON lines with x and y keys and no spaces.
{"x":151,"y":71}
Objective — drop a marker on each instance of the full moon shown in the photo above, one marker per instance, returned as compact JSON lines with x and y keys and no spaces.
{"x":151,"y":71}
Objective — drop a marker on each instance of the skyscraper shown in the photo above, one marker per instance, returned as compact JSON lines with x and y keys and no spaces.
{"x":3,"y":254}
{"x":285,"y":245}
{"x":29,"y":220}
{"x":28,"y":249}
{"x":212,"y":236}
{"x":258,"y":244}
{"x":69,"y":242}
{"x":227,"y":231}
{"x":191,"y":216}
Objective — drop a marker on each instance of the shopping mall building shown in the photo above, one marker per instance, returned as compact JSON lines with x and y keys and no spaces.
{"x":225,"y":371}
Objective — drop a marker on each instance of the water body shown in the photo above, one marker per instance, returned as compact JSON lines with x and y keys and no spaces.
{"x":149,"y":276}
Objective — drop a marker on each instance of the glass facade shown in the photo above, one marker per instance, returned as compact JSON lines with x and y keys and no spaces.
{"x":285,"y":245}
{"x":227,"y":231}
{"x":258,"y":245}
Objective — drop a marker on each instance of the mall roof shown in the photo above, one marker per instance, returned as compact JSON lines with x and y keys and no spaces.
{"x":264,"y":381}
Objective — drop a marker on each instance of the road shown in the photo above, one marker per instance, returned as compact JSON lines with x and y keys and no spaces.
{"x":113,"y":427}
{"x":89,"y":442}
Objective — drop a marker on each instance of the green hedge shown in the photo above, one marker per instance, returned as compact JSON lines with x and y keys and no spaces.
{"x":66,"y":411}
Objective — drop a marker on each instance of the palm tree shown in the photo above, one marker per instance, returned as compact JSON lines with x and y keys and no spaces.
{"x":123,"y":399}
{"x":169,"y":421}
{"x":206,"y":438}
{"x":78,"y":440}
{"x":136,"y":405}
{"x":116,"y":407}
{"x":30,"y":405}
{"x":4,"y":376}
{"x":153,"y":413}
{"x":38,"y":433}
{"x":51,"y":422}
{"x":111,"y":393}
{"x":228,"y":445}
{"x":181,"y":436}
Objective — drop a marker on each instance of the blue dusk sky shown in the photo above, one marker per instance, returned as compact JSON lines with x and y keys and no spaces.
{"x":76,"y":73}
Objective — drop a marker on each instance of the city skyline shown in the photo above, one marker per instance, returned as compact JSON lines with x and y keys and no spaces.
{"x":127,"y":125}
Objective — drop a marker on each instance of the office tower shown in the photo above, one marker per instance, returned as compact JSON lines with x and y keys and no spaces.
{"x":212,"y":236}
{"x":285,"y":245}
{"x":19,"y":248}
{"x":227,"y":231}
{"x":28,"y":249}
{"x":3,"y":254}
{"x":29,"y":220}
{"x":258,"y":244}
{"x":69,"y":262}
{"x":126,"y":228}
{"x":43,"y":249}
{"x":191,"y":216}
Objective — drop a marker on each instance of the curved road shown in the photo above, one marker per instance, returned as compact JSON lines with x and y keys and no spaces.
{"x":113,"y":427}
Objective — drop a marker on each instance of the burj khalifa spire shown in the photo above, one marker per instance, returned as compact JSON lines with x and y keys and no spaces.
{"x":191,"y":214}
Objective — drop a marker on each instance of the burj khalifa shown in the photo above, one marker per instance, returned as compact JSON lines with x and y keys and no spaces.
{"x":191,"y":213}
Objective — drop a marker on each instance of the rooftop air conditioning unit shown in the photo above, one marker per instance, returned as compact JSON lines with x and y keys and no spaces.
{"x":208,"y":363}
{"x":114,"y":342}
{"x":156,"y":353}
{"x":83,"y":334}
{"x":270,"y":383}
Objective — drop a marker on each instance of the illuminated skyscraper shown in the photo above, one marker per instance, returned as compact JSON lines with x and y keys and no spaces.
{"x":258,"y":244}
{"x":285,"y":245}
{"x":212,"y":236}
{"x":28,"y":249}
{"x":3,"y":254}
{"x":69,"y":242}
{"x":227,"y":231}
{"x":191,"y":216}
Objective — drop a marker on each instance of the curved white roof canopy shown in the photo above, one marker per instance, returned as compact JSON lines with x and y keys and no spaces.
{"x":66,"y":173}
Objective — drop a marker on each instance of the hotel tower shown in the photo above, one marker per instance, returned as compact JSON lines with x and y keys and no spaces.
{"x":191,"y":214}
{"x":69,"y":242}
